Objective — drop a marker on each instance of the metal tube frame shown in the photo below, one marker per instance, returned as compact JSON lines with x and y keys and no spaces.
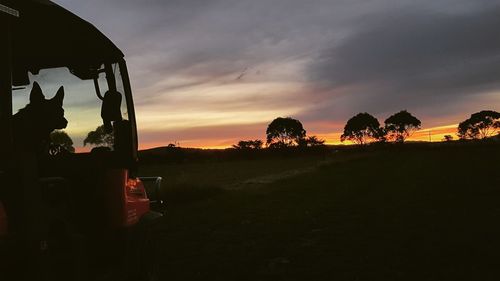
{"x":6,"y":141}
{"x":131,"y":112}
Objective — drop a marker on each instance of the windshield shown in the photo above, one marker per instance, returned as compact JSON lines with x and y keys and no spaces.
{"x":82,"y":107}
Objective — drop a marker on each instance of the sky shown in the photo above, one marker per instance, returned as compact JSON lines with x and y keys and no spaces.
{"x":207,"y":73}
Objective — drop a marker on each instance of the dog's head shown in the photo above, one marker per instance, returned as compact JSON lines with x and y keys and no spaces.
{"x":49,"y":113}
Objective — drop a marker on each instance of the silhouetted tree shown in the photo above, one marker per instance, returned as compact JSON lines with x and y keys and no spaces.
{"x":311,"y":141}
{"x":62,"y":140}
{"x":448,"y":138}
{"x":401,"y":125}
{"x":284,"y":132}
{"x":480,"y":125}
{"x":249,"y":144}
{"x":361,"y":128}
{"x":99,"y":137}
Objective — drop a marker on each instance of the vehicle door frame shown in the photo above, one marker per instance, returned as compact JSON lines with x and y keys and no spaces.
{"x":7,"y":18}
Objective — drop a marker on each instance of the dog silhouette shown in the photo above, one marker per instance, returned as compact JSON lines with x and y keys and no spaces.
{"x":31,"y":128}
{"x":33,"y":124}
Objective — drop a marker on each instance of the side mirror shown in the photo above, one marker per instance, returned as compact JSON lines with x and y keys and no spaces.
{"x":111,"y":109}
{"x":111,"y":101}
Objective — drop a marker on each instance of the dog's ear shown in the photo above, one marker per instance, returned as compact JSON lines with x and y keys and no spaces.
{"x":59,"y":96}
{"x":36,"y":95}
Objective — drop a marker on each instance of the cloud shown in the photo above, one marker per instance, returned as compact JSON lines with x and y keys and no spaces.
{"x":320,"y":61}
{"x":415,"y":58}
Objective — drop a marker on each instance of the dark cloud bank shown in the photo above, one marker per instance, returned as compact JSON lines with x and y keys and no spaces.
{"x":414,"y":58}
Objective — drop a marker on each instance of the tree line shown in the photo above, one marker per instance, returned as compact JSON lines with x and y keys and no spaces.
{"x":361,"y":129}
{"x":364,"y":128}
{"x":282,"y":132}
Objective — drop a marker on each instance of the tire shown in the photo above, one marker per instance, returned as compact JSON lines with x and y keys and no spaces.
{"x":143,"y":262}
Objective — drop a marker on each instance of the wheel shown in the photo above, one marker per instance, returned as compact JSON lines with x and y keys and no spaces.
{"x":142,"y":259}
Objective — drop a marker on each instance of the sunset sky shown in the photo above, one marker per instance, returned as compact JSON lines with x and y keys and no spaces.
{"x":207,"y":73}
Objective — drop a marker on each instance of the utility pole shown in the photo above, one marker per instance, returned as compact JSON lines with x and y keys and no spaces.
{"x":430,"y":138}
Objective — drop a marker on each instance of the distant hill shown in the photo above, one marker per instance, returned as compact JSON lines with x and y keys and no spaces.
{"x":180,"y":154}
{"x":166,"y":154}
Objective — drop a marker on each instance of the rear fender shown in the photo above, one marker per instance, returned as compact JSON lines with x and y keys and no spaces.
{"x":127,"y":198}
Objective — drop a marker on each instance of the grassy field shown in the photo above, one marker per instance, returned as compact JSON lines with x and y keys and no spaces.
{"x":419,"y":214}
{"x":194,"y":180}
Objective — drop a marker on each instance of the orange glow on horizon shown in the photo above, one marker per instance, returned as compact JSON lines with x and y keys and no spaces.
{"x":436,"y":135}
{"x":433,"y":134}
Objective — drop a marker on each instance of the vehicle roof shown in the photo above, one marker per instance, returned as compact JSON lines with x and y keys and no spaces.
{"x":45,"y":35}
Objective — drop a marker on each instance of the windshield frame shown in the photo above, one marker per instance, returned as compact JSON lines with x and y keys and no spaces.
{"x":6,"y":142}
{"x":130,"y":110}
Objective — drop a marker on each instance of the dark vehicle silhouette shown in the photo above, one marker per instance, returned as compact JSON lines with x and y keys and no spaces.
{"x":68,"y":216}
